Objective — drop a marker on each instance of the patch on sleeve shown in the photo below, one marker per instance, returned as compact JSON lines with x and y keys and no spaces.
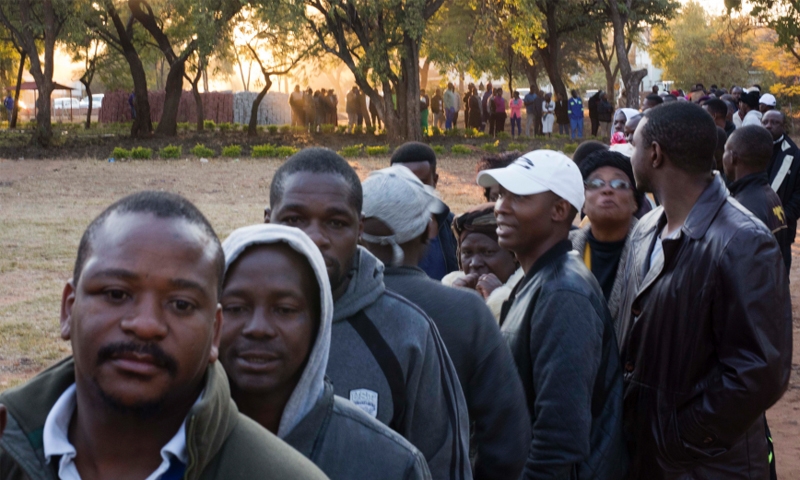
{"x":366,"y":400}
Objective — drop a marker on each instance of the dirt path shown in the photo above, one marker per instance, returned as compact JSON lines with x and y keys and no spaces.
{"x":45,"y":205}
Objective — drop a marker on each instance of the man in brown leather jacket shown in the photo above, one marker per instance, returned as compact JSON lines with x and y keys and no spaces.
{"x":706,"y":340}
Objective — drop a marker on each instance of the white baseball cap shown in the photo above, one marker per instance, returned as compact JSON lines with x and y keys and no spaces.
{"x":537,"y":172}
{"x":768,"y":99}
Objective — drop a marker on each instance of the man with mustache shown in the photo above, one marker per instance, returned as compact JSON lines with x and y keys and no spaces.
{"x":142,"y":397}
{"x":386,"y":356}
{"x":557,"y":324}
{"x":276,"y":336}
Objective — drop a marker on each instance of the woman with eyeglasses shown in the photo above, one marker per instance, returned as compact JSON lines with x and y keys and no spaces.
{"x":611,"y":201}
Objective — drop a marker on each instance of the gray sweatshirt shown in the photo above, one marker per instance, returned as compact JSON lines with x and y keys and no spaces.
{"x":387,"y":357}
{"x":342,"y":440}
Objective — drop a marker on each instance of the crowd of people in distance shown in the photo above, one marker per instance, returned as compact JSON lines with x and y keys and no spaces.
{"x":621,"y":314}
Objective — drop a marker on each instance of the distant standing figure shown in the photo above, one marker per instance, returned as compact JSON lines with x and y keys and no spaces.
{"x":516,"y":113}
{"x":548,"y":115}
{"x":474,"y":109}
{"x":562,"y":115}
{"x":9,"y":104}
{"x":296,"y":105}
{"x":576,"y":115}
{"x":351,"y":107}
{"x":132,"y":103}
{"x":530,"y":111}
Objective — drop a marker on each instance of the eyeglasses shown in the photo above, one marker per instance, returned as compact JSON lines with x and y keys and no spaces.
{"x":616,"y":184}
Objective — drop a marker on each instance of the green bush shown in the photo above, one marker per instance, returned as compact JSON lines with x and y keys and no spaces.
{"x":328,"y":128}
{"x":286,"y":151}
{"x":503,"y":135}
{"x":471,"y":132}
{"x":224,"y":127}
{"x":183,"y":125}
{"x":491,"y":147}
{"x":438,"y":149}
{"x":297,"y":129}
{"x":209,"y":124}
{"x":460,"y":149}
{"x":120,"y":152}
{"x":232,"y":151}
{"x":351,"y":151}
{"x":379,"y":150}
{"x":272,"y":129}
{"x":201,"y":150}
{"x":263,"y":151}
{"x":570,"y":147}
{"x":284,"y":129}
{"x":170,"y":151}
{"x":371,"y":130}
{"x":358,"y":129}
{"x":453,"y":132}
{"x":435,"y":131}
{"x":141,"y":153}
{"x":516,"y":146}
{"x":341,"y":129}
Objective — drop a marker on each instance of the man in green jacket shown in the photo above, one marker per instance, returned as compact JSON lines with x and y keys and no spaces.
{"x":142,"y":397}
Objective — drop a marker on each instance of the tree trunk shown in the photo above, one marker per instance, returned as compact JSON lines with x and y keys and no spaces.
{"x":87,"y":84}
{"x":251,"y":127}
{"x":532,"y":73}
{"x":630,"y":78}
{"x":43,"y":135}
{"x":426,"y":67}
{"x":168,"y":125}
{"x":198,"y":103}
{"x":15,"y":112}
{"x":411,"y":127}
{"x":552,"y":66}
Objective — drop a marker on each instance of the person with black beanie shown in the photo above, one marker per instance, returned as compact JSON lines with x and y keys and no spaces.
{"x":611,"y":201}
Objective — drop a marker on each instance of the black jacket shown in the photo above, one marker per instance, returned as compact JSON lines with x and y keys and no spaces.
{"x":562,"y":112}
{"x":707,"y":345}
{"x":562,"y":339}
{"x":605,"y":111}
{"x":755,"y":194}
{"x":486,"y":371}
{"x":789,"y":189}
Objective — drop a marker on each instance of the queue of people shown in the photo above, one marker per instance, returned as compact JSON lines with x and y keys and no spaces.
{"x":366,"y":331}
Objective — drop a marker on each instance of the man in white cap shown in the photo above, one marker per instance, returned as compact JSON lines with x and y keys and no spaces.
{"x":557,"y":324}
{"x":767,"y":103}
{"x":397,"y":227}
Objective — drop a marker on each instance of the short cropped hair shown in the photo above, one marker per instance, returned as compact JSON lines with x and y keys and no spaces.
{"x":750,"y":99}
{"x":716,"y":106}
{"x":686,"y":134}
{"x":160,"y":205}
{"x":317,"y":160}
{"x":753,"y":146}
{"x":412,"y":152}
{"x":655,"y":98}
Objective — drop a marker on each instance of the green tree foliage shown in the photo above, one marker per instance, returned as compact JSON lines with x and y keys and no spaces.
{"x":697,"y":47}
{"x":35,"y":27}
{"x":379,"y":41}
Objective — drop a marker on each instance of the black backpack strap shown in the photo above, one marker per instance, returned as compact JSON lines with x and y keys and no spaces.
{"x":388,"y":362}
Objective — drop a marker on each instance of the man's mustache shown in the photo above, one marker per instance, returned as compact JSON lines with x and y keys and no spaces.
{"x":160,"y":357}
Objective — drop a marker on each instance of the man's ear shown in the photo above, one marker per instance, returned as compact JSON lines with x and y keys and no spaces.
{"x":67,"y":302}
{"x":562,"y":211}
{"x":435,"y":179}
{"x":267,"y":214}
{"x":217,"y":335}
{"x":657,"y":156}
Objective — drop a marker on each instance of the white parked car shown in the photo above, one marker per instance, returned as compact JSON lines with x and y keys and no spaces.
{"x":97,"y":101}
{"x":66,"y":104}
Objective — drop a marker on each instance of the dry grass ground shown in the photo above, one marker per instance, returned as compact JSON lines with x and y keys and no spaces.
{"x":45,"y":205}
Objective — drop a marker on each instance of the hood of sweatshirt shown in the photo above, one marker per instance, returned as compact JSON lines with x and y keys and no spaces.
{"x":366,"y":286}
{"x":312,"y":382}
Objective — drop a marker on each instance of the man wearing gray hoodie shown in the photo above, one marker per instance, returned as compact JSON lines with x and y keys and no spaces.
{"x":278,"y":311}
{"x":386,"y":355}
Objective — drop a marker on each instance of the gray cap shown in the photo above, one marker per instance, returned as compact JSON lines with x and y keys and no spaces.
{"x":399,"y":199}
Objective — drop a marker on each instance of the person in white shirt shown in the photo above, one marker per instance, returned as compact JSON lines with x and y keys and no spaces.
{"x":748,"y":109}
